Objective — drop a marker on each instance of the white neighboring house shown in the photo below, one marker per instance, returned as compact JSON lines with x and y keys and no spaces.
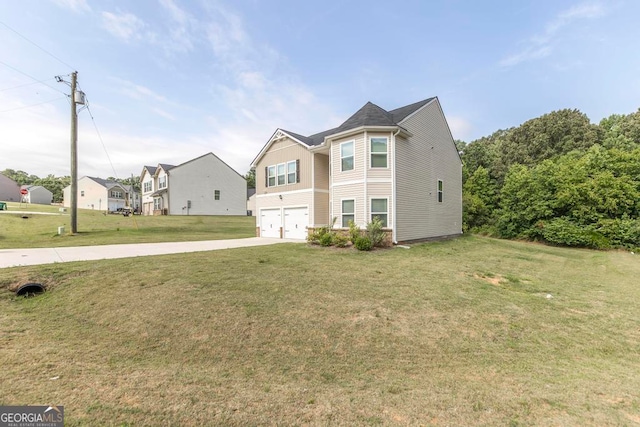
{"x":98,"y":194}
{"x":37,"y":194}
{"x":251,"y":201}
{"x":9,"y":189}
{"x":202,"y":186}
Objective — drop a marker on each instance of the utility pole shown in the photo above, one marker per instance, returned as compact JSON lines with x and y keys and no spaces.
{"x":74,"y":156}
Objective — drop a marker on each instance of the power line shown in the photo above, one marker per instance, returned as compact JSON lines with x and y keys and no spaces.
{"x":31,"y":77}
{"x":32,"y":105}
{"x":39,"y":47}
{"x":26,"y":84}
{"x":104,"y":147}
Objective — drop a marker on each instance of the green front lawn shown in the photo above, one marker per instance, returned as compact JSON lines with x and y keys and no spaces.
{"x":96,"y":228}
{"x":473,"y":331}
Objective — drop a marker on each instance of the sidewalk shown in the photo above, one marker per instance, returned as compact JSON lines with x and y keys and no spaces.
{"x":36,"y":256}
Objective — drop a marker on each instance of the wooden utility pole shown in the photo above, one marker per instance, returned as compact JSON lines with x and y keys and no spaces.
{"x":74,"y":156}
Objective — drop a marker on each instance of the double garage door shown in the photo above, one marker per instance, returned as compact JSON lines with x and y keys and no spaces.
{"x":294,"y":222}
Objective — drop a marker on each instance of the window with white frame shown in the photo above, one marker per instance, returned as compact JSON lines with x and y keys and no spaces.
{"x":116,"y":194}
{"x":440,"y":191}
{"x":379,"y":152}
{"x":157,"y":204}
{"x":348,"y":212}
{"x":147,"y":186}
{"x":271,"y":173}
{"x":216,"y":194}
{"x":162,"y":182}
{"x":346,"y":156}
{"x":379,"y":210}
{"x":282,"y":179}
{"x":292,"y":172}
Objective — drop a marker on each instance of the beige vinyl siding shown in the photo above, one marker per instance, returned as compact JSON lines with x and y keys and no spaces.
{"x":421,"y":160}
{"x":378,"y":173}
{"x":321,"y":209}
{"x":359,"y":159}
{"x":349,"y":192}
{"x":270,"y":201}
{"x":283,"y":151}
{"x":380,"y":190}
{"x":321,"y":171}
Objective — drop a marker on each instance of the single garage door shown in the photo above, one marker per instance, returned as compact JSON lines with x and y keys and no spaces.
{"x":270,"y":223}
{"x":296,"y":221}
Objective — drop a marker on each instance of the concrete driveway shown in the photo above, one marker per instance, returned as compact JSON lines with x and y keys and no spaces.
{"x":36,"y":256}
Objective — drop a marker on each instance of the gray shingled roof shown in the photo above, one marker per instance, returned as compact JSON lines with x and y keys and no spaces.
{"x":151,"y":169}
{"x":369,"y":115}
{"x":106,"y":184}
{"x":166,"y":166}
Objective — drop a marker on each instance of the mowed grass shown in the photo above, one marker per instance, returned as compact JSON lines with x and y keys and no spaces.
{"x":473,"y":331}
{"x":96,"y":228}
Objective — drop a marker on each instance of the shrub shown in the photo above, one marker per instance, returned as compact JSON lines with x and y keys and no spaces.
{"x":363,"y":243}
{"x":561,"y":231}
{"x":375,"y":232}
{"x":327,"y":239}
{"x":622,"y":233}
{"x":354,"y":232}
{"x":340,"y":241}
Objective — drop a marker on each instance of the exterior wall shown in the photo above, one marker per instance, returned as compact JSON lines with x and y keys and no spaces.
{"x":39,"y":195}
{"x":197,"y":181}
{"x":422,"y":159}
{"x":91,"y":195}
{"x":320,"y":209}
{"x":359,"y":161}
{"x":321,"y":171}
{"x":251,"y":205}
{"x":147,"y":199}
{"x":282,"y":151}
{"x":349,"y":192}
{"x":302,"y":198}
{"x":9,"y":190}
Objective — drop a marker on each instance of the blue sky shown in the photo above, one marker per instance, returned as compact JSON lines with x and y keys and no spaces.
{"x":170,"y":80}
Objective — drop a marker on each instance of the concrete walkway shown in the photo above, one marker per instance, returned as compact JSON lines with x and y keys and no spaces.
{"x":36,"y":256}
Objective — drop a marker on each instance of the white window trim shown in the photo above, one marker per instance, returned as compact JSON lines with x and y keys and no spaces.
{"x":278,"y":174}
{"x":353,"y":155}
{"x":439,"y":193}
{"x":275,"y":175}
{"x":371,"y":213}
{"x":371,"y":153}
{"x":219,"y":195}
{"x":354,"y":210}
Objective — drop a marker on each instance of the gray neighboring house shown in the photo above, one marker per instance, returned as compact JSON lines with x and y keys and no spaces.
{"x":37,"y":194}
{"x":401,"y":166}
{"x":205,"y":185}
{"x":9,"y":189}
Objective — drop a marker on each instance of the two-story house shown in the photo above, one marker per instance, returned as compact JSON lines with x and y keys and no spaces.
{"x":401,"y":166}
{"x":202,"y":186}
{"x":98,"y":194}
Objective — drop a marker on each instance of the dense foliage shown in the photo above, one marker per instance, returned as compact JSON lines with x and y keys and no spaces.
{"x":558,"y":179}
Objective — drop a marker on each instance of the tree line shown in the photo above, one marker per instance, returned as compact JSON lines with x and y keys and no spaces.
{"x":558,"y":179}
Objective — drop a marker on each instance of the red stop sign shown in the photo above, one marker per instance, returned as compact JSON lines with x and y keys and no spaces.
{"x":24,"y":191}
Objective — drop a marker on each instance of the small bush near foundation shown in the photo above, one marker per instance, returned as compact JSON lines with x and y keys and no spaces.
{"x":327,"y":239}
{"x":354,"y":232}
{"x":340,"y":241}
{"x":375,"y":232}
{"x":363,"y":243}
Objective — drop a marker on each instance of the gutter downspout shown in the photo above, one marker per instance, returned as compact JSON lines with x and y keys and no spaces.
{"x":394,"y":235}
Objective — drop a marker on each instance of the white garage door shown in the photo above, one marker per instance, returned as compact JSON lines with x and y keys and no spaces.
{"x":115,"y":205}
{"x":296,"y":221}
{"x":270,"y":223}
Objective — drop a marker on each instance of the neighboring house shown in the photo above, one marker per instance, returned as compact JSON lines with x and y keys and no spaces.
{"x":202,"y":186}
{"x":9,"y":189}
{"x":37,"y":194}
{"x":401,"y":166}
{"x":251,"y":201}
{"x":98,"y":194}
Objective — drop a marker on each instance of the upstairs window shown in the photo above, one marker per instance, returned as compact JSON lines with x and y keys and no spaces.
{"x":281,"y":174}
{"x":292,"y":173}
{"x":440,"y":191}
{"x":379,"y":152}
{"x":81,"y":193}
{"x":346,"y":156}
{"x":271,"y":180}
{"x":216,"y":194}
{"x":147,"y":186}
{"x":162,"y":182}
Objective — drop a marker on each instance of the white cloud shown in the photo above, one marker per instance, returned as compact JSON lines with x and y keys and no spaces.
{"x":74,"y":5}
{"x":125,"y":26}
{"x":460,"y":127}
{"x":541,"y":45}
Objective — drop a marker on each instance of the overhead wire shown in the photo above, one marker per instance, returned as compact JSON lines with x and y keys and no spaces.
{"x":31,"y":77}
{"x":104,"y":147}
{"x":32,"y":105}
{"x":38,"y":46}
{"x":26,"y":84}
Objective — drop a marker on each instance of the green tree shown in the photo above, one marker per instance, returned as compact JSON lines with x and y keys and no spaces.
{"x":251,"y":178}
{"x":478,"y":200}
